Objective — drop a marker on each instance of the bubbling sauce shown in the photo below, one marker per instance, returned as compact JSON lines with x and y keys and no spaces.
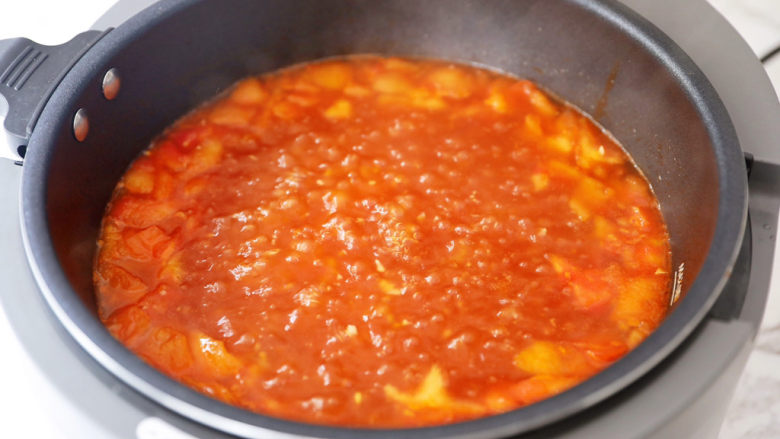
{"x":382,"y":242}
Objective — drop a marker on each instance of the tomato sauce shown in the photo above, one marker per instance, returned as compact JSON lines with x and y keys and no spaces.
{"x":382,"y":242}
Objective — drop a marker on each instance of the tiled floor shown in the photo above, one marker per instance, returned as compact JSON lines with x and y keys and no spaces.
{"x":755,"y":410}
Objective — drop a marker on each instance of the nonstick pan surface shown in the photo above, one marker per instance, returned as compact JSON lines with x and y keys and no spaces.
{"x":598,"y":55}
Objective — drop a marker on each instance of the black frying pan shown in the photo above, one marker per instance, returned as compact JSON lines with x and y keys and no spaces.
{"x":596,"y":54}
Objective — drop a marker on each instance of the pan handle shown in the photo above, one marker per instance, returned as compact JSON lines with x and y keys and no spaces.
{"x":29,"y":73}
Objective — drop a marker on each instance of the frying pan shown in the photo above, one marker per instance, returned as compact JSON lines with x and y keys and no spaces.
{"x":599,"y":55}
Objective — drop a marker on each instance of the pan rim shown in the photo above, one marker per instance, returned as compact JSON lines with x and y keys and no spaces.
{"x":95,"y":340}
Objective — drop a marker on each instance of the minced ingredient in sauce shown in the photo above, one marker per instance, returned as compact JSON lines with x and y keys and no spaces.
{"x":382,"y":242}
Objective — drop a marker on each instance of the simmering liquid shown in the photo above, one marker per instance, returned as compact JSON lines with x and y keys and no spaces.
{"x":382,"y":242}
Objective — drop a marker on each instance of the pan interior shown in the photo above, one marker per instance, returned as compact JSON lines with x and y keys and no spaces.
{"x":598,"y":56}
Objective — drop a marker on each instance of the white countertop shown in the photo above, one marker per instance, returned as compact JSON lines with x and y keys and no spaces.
{"x":754,"y":412}
{"x":26,"y":393}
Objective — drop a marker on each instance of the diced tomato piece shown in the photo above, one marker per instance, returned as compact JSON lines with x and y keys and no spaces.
{"x":120,"y":286}
{"x":169,"y":348}
{"x":128,"y":324}
{"x":552,"y":358}
{"x":213,"y":354}
{"x":540,"y":387}
{"x":140,"y":212}
{"x":249,"y":92}
{"x":146,"y":243}
{"x":332,"y":76}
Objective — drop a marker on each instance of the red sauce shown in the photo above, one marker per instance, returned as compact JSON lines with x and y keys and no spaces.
{"x":382,"y":242}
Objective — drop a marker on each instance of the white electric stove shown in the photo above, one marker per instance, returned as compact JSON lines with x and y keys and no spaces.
{"x":49,"y":391}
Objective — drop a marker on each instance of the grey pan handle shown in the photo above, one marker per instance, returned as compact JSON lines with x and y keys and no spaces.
{"x":29,"y":73}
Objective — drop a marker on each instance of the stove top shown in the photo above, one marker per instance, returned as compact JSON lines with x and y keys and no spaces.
{"x":81,"y":400}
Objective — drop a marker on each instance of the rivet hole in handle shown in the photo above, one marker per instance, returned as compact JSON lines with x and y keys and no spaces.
{"x":29,"y":73}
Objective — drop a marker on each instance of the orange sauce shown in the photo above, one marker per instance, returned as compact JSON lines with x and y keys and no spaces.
{"x":382,"y":242}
